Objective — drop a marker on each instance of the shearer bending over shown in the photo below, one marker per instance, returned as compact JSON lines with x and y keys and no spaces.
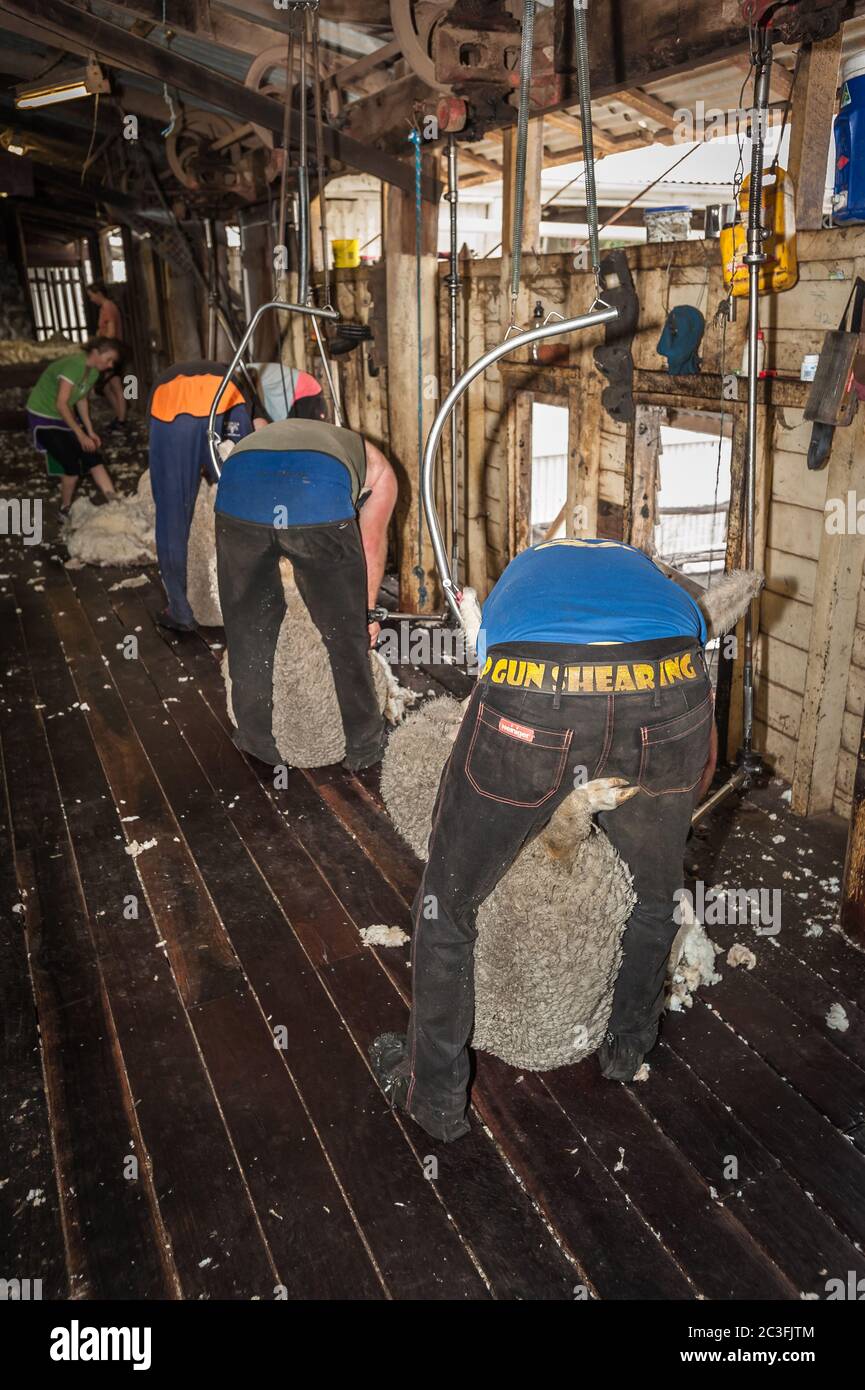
{"x":323,"y":497}
{"x":591,"y":664}
{"x":179,"y":457}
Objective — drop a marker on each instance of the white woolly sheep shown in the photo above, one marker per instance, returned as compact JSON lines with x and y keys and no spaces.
{"x":307,"y":724}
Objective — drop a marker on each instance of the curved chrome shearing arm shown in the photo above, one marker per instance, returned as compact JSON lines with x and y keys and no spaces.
{"x":212,"y":437}
{"x":597,"y":315}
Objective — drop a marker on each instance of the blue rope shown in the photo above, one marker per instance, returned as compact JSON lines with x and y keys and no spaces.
{"x":415,"y":138}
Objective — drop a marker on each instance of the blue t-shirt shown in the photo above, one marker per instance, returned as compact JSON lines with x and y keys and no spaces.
{"x":585,"y":591}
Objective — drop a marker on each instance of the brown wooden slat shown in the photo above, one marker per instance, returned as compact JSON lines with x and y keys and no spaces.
{"x":31,"y":1235}
{"x":705,"y":1131}
{"x":720,"y":1258}
{"x":417,"y":1249}
{"x":516,"y":1252}
{"x":111,"y":1245}
{"x":211,"y":1226}
{"x":618,"y":1256}
{"x":809,"y":1149}
{"x":805,"y":1057}
{"x":257,"y":1098}
{"x":317,"y":1247}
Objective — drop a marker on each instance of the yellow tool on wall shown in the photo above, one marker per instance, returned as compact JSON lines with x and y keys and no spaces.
{"x":780,"y":270}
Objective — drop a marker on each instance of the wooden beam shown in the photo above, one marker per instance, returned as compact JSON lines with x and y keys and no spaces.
{"x":811,"y":119}
{"x":480,"y":161}
{"x":565,"y":120}
{"x":833,"y":624}
{"x":475,"y":559}
{"x":118,"y":48}
{"x":531,"y":231}
{"x":419,"y":592}
{"x":649,"y":106}
{"x":361,"y":67}
{"x":853,"y":890}
{"x":647,"y":440}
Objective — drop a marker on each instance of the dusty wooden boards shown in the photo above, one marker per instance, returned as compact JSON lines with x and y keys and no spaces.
{"x":272,"y":884}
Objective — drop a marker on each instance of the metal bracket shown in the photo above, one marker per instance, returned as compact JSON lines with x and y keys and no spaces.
{"x":595,"y":317}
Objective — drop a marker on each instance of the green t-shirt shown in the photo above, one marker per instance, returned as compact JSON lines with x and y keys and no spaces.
{"x":43,"y":398}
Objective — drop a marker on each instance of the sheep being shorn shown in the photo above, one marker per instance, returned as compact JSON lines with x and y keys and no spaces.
{"x":202,"y":589}
{"x":549,"y":937}
{"x":307,"y":724}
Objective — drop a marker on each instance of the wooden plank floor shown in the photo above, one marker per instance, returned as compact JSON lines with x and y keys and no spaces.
{"x":186,"y":1102}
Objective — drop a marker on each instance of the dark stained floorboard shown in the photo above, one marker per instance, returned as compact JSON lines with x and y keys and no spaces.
{"x":259,"y":901}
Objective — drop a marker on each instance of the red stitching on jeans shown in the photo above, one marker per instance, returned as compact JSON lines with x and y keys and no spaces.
{"x":605,"y":751}
{"x":648,"y":743}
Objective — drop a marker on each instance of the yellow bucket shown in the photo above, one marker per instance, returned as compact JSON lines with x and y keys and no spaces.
{"x":346,"y":253}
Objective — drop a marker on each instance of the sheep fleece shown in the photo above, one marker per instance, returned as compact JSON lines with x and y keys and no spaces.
{"x":202,"y":590}
{"x":549,"y":936}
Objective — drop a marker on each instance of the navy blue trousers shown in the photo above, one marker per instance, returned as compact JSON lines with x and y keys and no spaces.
{"x":178,"y":457}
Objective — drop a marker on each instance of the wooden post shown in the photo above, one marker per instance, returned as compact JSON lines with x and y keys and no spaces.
{"x":811,"y":127}
{"x":762,"y":497}
{"x":475,"y":559}
{"x":833,"y":623}
{"x":418,"y":582}
{"x":647,"y":439}
{"x":531,"y":239}
{"x":853,"y":891}
{"x":585,"y":447}
{"x":184,"y":315}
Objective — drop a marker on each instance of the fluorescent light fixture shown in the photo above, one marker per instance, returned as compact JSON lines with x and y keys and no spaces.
{"x":65,"y":86}
{"x":14,"y":149}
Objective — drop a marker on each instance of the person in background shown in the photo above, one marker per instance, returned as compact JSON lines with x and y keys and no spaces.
{"x":322,"y":496}
{"x":110,"y":325}
{"x":591,"y":664}
{"x":287,"y":393}
{"x":59,"y":416}
{"x":178,"y":411}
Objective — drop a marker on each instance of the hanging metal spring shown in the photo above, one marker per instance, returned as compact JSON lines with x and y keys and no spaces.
{"x":580,"y":7}
{"x":526,"y":58}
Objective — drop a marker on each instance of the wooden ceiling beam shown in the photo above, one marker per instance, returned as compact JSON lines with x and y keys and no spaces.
{"x":480,"y":161}
{"x":566,"y":120}
{"x":645,"y":104}
{"x":118,"y":48}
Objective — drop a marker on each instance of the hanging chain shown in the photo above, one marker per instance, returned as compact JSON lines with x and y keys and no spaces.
{"x":526,"y":58}
{"x":580,"y":7}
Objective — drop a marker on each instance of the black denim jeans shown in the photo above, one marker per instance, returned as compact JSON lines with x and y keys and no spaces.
{"x":518,"y":754}
{"x":330,"y":573}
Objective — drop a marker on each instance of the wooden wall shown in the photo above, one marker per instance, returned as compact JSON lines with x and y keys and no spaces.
{"x":494,"y":439}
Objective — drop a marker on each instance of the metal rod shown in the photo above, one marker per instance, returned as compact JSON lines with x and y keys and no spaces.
{"x":212,"y":437}
{"x":212,"y":297}
{"x":332,"y":376}
{"x":453,"y":284}
{"x":754,"y":259}
{"x":732,"y":784}
{"x":594,"y":318}
{"x":588,"y":135}
{"x":526,"y":60}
